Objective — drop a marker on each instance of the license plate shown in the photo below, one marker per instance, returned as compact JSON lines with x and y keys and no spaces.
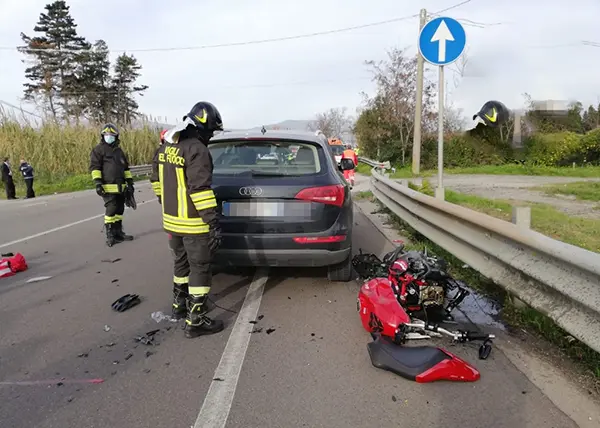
{"x":253,"y":209}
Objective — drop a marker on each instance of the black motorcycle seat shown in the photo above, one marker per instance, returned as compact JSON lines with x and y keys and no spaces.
{"x":408,"y":362}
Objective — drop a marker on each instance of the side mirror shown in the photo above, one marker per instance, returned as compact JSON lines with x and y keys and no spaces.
{"x":346,"y":164}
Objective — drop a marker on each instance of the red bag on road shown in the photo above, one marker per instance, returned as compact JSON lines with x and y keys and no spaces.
{"x":11,"y":265}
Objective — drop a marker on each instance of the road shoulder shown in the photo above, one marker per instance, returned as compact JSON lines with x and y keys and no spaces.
{"x":558,"y":384}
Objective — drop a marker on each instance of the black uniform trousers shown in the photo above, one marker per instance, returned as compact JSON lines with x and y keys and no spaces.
{"x":9,"y":186}
{"x":29,"y":185}
{"x":192,"y":262}
{"x":114,"y":204}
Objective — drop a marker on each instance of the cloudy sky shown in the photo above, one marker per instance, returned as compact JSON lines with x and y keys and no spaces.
{"x":514,"y":46}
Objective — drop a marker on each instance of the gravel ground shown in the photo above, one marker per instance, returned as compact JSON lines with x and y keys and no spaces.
{"x":516,"y":188}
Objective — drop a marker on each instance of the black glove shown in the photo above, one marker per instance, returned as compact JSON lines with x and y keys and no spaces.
{"x":159,"y":200}
{"x":215,"y":237}
{"x":130,"y":188}
{"x":100,"y":190}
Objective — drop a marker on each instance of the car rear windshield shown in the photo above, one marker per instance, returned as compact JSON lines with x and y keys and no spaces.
{"x":265,"y":157}
{"x":337,"y":149}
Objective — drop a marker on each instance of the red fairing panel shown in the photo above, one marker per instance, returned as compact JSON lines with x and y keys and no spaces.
{"x":379,"y":310}
{"x":452,"y":369}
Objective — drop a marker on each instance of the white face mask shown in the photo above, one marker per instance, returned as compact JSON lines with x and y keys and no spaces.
{"x":109,"y":139}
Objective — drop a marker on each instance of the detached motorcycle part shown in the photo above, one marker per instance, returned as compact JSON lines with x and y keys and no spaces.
{"x":126,"y":302}
{"x":485,"y":350}
{"x":421,"y":364}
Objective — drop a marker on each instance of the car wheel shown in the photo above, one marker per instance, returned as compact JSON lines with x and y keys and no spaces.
{"x":341,"y":272}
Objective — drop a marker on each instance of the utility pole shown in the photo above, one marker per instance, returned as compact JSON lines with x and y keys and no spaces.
{"x":416,"y":154}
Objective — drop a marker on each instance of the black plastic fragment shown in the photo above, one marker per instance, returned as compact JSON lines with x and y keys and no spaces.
{"x":126,"y":302}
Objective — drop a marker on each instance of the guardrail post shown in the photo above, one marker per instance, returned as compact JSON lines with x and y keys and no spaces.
{"x":440,"y":193}
{"x":417,"y":181}
{"x":521,"y":216}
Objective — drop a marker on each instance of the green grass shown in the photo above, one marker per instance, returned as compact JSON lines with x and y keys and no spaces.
{"x":513,"y":169}
{"x":509,"y":169}
{"x":527,"y":318}
{"x":582,"y":190}
{"x":363,"y":195}
{"x":47,"y":185}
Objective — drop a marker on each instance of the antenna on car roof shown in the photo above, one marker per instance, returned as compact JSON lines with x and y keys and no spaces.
{"x":263,"y":130}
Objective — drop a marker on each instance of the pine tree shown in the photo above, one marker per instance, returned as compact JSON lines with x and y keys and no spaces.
{"x":124,"y":88}
{"x":54,"y":56}
{"x":94,"y":83}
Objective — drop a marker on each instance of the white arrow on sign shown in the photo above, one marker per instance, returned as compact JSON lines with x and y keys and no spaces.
{"x":442,"y":35}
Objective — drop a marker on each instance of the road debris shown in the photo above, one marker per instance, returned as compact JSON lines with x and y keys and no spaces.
{"x":147,"y":338}
{"x":50,"y":382}
{"x":260,"y":317}
{"x":270,"y":330}
{"x":38,"y":279}
{"x":111,"y":260}
{"x":257,"y":330}
{"x":126,"y":302}
{"x":218,"y":379}
{"x":107,"y":328}
{"x":83,"y":355}
{"x":128,"y":356}
{"x":159,"y":316}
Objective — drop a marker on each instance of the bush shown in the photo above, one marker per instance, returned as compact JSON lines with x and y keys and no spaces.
{"x":559,"y":149}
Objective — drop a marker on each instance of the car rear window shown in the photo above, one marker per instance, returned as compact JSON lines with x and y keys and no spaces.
{"x":268,"y":157}
{"x":337,"y":149}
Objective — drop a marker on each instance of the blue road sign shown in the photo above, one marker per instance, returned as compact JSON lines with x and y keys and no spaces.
{"x":442,"y":41}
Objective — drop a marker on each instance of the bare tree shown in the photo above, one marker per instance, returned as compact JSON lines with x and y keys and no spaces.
{"x":332,"y":122}
{"x":396,"y":100}
{"x":459,"y":68}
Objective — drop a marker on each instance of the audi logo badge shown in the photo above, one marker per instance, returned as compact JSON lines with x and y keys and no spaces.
{"x":251,"y":191}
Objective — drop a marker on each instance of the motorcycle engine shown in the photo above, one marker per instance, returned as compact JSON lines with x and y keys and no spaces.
{"x":432,"y":295}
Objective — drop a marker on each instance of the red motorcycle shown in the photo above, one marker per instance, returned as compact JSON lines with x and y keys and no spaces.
{"x":403,"y":298}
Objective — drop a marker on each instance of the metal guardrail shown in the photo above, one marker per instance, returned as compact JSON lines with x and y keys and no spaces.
{"x":138,"y":170}
{"x":558,"y":279}
{"x":375,"y":164}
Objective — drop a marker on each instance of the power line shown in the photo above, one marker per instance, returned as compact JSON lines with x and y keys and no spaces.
{"x":246,"y":43}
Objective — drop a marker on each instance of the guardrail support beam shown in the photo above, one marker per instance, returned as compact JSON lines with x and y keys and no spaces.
{"x":521,"y":216}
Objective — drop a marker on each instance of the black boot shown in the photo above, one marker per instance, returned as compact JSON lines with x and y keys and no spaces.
{"x":119,"y":234}
{"x":180,"y":295}
{"x":197,"y":323}
{"x":109,"y":228}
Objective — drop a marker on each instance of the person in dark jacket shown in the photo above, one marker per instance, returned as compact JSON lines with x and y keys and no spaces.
{"x":110,"y":171}
{"x":27,"y":171}
{"x":7,"y":179}
{"x":181,"y":178}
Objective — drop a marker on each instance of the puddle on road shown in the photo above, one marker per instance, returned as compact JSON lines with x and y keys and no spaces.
{"x":479,"y":310}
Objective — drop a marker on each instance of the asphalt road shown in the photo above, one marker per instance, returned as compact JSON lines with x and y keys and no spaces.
{"x":308,"y":367}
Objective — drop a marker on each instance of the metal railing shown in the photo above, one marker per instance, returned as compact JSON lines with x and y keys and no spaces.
{"x":138,"y":170}
{"x":560,"y":280}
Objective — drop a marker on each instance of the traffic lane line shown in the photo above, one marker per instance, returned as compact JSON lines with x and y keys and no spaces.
{"x":17,"y":227}
{"x":130,"y":397}
{"x":217,"y":402}
{"x":292,"y":378}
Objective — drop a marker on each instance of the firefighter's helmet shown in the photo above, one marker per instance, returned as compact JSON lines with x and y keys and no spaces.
{"x":109,"y":133}
{"x":206,"y":117}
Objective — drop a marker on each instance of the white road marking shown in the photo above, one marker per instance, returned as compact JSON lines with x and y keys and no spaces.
{"x":218,"y":400}
{"x":56,"y":229}
{"x":34,"y":205}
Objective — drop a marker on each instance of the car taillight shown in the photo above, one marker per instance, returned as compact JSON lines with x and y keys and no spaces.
{"x":319,"y":239}
{"x":331,"y":195}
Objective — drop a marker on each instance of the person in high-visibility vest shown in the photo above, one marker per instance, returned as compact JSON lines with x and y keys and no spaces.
{"x":350,"y":154}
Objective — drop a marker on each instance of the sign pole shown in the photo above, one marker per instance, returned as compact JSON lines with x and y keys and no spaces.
{"x":439,"y":192}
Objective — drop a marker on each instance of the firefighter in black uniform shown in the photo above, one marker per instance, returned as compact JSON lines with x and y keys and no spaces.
{"x":182,"y":178}
{"x":110,"y":171}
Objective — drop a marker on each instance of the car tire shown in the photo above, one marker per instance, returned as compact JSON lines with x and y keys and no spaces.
{"x":341,"y":272}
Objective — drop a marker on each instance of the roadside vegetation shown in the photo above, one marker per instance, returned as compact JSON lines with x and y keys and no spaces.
{"x":515,"y":316}
{"x":581,"y":190}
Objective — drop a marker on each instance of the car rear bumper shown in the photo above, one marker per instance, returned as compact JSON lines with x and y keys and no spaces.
{"x":281,"y":258}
